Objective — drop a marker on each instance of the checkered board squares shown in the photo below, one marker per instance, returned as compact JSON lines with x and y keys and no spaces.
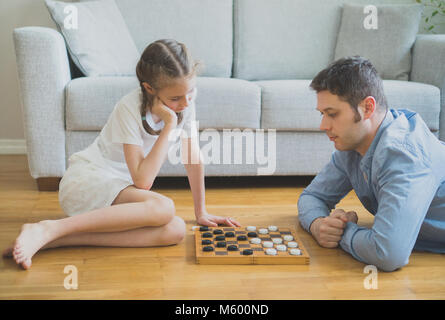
{"x":222,"y":255}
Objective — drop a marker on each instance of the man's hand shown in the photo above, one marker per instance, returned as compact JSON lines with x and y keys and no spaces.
{"x":350,"y":216}
{"x":329,"y":230}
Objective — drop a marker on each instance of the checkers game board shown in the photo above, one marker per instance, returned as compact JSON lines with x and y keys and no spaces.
{"x":249,"y":245}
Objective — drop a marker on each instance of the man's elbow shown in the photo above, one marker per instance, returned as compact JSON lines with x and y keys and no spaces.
{"x":392,"y":261}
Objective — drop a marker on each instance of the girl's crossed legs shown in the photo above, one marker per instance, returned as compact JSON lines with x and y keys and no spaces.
{"x":137,"y":218}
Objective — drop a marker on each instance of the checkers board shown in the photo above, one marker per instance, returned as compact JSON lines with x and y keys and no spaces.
{"x":229,"y":245}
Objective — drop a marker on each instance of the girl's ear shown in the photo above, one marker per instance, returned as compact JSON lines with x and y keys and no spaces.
{"x":148,"y":88}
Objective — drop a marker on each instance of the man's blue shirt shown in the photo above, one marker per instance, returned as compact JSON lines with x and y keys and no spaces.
{"x":400,"y":180}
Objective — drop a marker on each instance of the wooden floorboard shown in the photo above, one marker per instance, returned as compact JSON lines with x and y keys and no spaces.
{"x":171,"y":272}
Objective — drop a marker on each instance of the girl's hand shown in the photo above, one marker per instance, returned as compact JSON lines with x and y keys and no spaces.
{"x":164,"y":112}
{"x":213,"y":221}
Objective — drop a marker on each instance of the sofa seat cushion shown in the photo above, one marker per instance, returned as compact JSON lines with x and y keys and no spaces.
{"x":90,"y":100}
{"x":289,"y":105}
{"x":221,"y":102}
{"x":227,"y":103}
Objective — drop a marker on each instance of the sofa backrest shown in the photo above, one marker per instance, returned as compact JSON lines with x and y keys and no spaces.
{"x":284,"y":39}
{"x":287,"y":39}
{"x":245,"y":39}
{"x":204,"y":26}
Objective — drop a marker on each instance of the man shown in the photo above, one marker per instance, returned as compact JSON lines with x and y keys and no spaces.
{"x":389,"y":157}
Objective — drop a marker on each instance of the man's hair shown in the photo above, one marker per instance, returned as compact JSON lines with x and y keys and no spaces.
{"x":352,"y":79}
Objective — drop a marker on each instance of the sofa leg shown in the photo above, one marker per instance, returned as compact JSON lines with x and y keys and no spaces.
{"x":48,"y":184}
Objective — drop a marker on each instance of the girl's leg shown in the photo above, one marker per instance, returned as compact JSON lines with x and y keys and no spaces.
{"x":169,"y":234}
{"x":152,"y":210}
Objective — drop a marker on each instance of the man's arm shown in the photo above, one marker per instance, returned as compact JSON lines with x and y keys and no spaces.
{"x":324,"y":192}
{"x":406,"y":188}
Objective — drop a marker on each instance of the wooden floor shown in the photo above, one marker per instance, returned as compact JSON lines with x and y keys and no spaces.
{"x":171,"y":272}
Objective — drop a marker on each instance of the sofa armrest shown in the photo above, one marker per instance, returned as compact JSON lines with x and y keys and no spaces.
{"x":43,"y":72}
{"x":429,"y":67}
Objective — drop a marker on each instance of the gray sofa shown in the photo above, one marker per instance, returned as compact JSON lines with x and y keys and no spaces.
{"x":259,"y":58}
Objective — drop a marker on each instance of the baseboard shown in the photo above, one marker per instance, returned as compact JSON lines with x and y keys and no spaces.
{"x":12,"y":146}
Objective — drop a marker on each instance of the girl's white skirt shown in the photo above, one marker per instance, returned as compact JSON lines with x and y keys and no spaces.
{"x":86,"y":186}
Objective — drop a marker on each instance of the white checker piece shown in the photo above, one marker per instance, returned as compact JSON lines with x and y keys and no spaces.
{"x":263,"y":231}
{"x":295,"y":252}
{"x":267,"y":244}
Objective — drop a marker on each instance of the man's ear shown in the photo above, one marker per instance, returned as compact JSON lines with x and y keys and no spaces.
{"x":149,"y":89}
{"x":368,"y":106}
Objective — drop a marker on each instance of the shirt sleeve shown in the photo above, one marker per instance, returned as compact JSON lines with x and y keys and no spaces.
{"x":125,"y":127}
{"x":324,"y":192}
{"x":406,"y":187}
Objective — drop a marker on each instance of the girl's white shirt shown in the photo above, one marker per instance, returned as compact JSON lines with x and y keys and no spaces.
{"x":155,"y":126}
{"x":124,"y":126}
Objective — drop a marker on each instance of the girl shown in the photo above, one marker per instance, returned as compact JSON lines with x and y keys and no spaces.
{"x":106,"y":189}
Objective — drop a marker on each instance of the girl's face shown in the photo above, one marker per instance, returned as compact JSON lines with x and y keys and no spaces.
{"x":178,"y":95}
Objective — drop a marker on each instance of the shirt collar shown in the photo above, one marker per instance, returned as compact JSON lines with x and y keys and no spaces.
{"x":367,"y":158}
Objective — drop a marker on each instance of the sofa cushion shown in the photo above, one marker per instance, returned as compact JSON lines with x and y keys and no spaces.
{"x":420,"y":97}
{"x":289,"y":105}
{"x":224,"y":103}
{"x":284,"y":39}
{"x":99,"y":43}
{"x":221,"y":102}
{"x":388,"y":46}
{"x":204,"y":26}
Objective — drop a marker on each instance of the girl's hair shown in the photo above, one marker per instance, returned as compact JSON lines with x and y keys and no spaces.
{"x":161,"y":63}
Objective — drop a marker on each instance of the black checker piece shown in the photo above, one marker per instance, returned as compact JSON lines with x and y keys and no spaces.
{"x":221,"y":244}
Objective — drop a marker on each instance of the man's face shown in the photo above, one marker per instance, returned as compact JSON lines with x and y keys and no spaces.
{"x":339,"y":121}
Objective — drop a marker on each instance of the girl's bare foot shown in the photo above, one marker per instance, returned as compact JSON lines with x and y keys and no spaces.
{"x":32,"y":238}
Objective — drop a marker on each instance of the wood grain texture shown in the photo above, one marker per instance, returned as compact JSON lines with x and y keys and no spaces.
{"x":172,"y":273}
